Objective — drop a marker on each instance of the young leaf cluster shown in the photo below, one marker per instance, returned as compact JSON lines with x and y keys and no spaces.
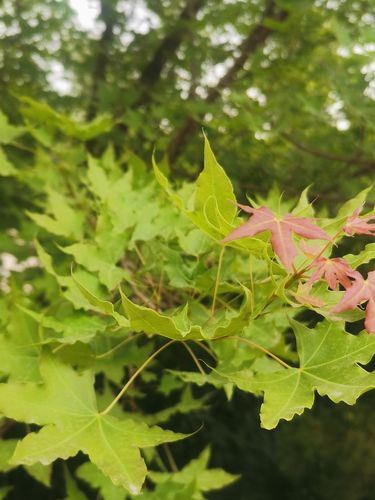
{"x":128,"y":288}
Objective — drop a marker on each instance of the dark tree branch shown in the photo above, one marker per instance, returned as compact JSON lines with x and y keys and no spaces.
{"x":151,"y":73}
{"x":108,"y":16}
{"x":257,"y":37}
{"x":356,"y":160}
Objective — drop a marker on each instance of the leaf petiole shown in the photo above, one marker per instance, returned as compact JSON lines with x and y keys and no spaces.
{"x":117,"y":346}
{"x":217,"y":279}
{"x":195,"y":359}
{"x":260,"y":348}
{"x":134,"y":376}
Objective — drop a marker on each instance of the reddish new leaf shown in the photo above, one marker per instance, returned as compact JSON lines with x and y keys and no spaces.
{"x":359,"y":225}
{"x":281,"y":229}
{"x":334,"y":271}
{"x":360,"y":291}
{"x":304,"y":297}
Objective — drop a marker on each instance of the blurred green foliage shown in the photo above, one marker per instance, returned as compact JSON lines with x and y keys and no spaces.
{"x":285,"y":92}
{"x":283,"y":89}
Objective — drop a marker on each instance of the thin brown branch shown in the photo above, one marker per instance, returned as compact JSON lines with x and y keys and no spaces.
{"x":108,"y":16}
{"x":367,"y":163}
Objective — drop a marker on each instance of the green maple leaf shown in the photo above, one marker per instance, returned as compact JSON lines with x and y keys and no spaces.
{"x":214,"y":182}
{"x":97,"y":177}
{"x":82,"y":288}
{"x":65,"y":406}
{"x":64,"y":220}
{"x":178,"y":327}
{"x":19,"y":347}
{"x":4,"y":491}
{"x":185,"y":406}
{"x":196,"y":470}
{"x":6,"y":451}
{"x":77,"y":327}
{"x":168,"y":490}
{"x":8,"y":132}
{"x":214,"y":199}
{"x":328,"y":364}
{"x":92,"y":475}
{"x":367,"y":254}
{"x":151,"y":322}
{"x":214,"y":206}
{"x":6,"y":167}
{"x":18,"y":359}
{"x":188,"y":483}
{"x":40,"y":112}
{"x":95,"y":260}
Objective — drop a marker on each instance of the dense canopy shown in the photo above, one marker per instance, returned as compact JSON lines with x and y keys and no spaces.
{"x":284,"y":89}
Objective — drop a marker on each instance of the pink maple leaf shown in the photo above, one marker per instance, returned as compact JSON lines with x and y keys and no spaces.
{"x":281,"y":229}
{"x":360,"y":291}
{"x":334,"y":271}
{"x":359,"y":225}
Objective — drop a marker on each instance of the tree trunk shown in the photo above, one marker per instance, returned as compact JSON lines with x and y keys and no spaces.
{"x":108,"y":16}
{"x":168,"y":47}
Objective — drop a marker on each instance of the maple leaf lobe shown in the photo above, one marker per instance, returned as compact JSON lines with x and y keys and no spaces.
{"x":334,"y":271}
{"x":281,"y":228}
{"x":359,"y":225}
{"x":361,"y":290}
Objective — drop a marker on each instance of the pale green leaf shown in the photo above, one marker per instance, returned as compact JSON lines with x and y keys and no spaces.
{"x":232,"y":322}
{"x":19,"y":358}
{"x":20,"y":347}
{"x":367,"y":255}
{"x":196,"y":470}
{"x":65,"y":405}
{"x":6,"y":167}
{"x":97,"y":178}
{"x":44,"y":258}
{"x":64,"y":220}
{"x":303,"y":207}
{"x":195,"y":242}
{"x":329,"y":359}
{"x":214,"y":183}
{"x":164,"y":183}
{"x":4,"y":490}
{"x":200,"y":379}
{"x":348,"y":207}
{"x":7,"y":448}
{"x":144,"y":319}
{"x":92,"y":258}
{"x":186,"y":405}
{"x":42,"y":113}
{"x":98,"y":304}
{"x":92,"y":475}
{"x":72,"y":490}
{"x":345,"y":211}
{"x":78,"y":327}
{"x":8,"y":132}
{"x":41,"y":473}
{"x":82,"y":289}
